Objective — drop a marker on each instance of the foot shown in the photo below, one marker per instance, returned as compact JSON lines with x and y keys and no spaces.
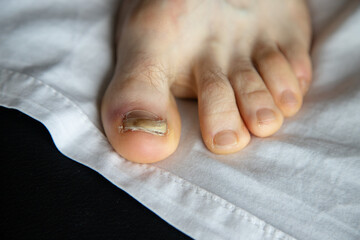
{"x":247,"y":62}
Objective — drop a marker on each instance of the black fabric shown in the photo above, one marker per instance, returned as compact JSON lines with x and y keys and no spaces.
{"x":45,"y":195}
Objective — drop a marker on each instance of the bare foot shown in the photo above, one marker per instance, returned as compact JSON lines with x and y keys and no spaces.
{"x":247,"y":62}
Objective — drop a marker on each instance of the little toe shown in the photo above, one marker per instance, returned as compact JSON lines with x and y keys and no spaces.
{"x":140,"y":116}
{"x":279,"y":79}
{"x":257,"y":107}
{"x":221,"y":125}
{"x":299,"y":58}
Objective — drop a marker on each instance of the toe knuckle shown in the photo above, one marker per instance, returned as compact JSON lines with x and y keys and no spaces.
{"x":256,"y":94}
{"x":221,"y":108}
{"x":250,"y":78}
{"x":216,"y":96}
{"x":248,"y":83}
{"x":214,"y":88}
{"x":214,"y":84}
{"x":246,"y":74}
{"x":271,"y":57}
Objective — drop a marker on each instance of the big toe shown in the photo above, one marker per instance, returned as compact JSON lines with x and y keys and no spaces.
{"x":140,"y":118}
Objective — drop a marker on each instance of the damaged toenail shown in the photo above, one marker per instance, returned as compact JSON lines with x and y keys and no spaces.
{"x":265,"y":116}
{"x":288,"y":98}
{"x":225,"y":139}
{"x":144,"y":121}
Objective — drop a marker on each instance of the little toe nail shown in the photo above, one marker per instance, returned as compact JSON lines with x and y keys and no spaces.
{"x":265,"y":116}
{"x":288,"y":98}
{"x":140,"y":120}
{"x":225,"y":138}
{"x":303,"y":84}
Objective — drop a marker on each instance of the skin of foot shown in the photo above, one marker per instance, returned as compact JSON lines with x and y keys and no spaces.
{"x":246,"y":62}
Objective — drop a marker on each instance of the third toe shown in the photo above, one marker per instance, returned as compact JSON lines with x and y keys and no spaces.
{"x":256,"y":105}
{"x":279,"y":79}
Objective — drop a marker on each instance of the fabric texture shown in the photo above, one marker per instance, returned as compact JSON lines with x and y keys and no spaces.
{"x":57,"y":57}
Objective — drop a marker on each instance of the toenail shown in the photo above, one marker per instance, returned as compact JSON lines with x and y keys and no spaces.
{"x":225,"y":138}
{"x":303,"y":84}
{"x":140,"y":120}
{"x":288,"y":98}
{"x":265,"y":116}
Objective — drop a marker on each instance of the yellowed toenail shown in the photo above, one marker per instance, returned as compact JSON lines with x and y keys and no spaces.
{"x":139,"y":120}
{"x":288,"y":98}
{"x":225,"y":138}
{"x":265,"y":116}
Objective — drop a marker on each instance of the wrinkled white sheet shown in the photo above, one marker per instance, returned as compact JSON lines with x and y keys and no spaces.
{"x":56,"y":58}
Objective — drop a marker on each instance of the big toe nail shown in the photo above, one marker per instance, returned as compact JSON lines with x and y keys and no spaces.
{"x":144,"y":131}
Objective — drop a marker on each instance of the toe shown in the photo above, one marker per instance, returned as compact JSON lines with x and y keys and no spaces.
{"x":299,"y":58}
{"x":221,"y":126}
{"x":257,"y":107}
{"x":279,"y":78}
{"x":140,"y":116}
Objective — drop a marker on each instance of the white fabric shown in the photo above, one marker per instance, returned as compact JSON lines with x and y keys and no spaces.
{"x":56,"y":58}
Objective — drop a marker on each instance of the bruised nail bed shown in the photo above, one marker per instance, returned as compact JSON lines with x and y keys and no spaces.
{"x":140,"y":120}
